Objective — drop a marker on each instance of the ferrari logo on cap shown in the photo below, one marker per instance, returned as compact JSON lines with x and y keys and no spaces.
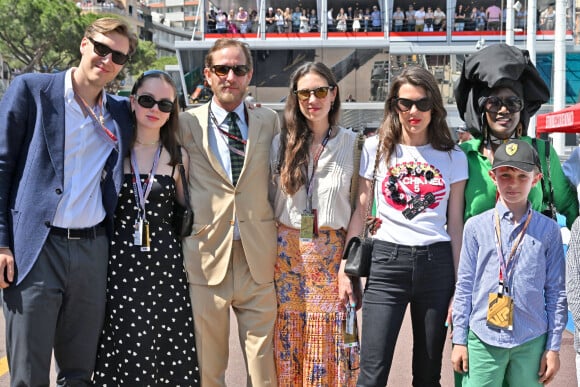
{"x":511,"y":149}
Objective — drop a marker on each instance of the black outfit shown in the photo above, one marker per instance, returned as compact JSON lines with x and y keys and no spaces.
{"x":148,"y":337}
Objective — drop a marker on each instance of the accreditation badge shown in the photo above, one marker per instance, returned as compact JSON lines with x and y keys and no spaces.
{"x":307,"y":227}
{"x":500,"y":311}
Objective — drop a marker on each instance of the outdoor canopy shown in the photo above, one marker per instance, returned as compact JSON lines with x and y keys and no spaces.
{"x":562,"y":121}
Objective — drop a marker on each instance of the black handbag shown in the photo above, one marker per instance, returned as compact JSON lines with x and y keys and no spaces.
{"x":358,"y":254}
{"x":359,"y":249}
{"x":182,"y":221}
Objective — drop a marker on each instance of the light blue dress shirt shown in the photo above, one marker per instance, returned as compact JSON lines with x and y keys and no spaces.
{"x":537,"y":281}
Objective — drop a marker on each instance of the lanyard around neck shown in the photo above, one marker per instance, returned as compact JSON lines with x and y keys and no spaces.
{"x":98,"y":123}
{"x":310,"y":182}
{"x":505,"y":265}
{"x":228,"y":135}
{"x":142,"y":191}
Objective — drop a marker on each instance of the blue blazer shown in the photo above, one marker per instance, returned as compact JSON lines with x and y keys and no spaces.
{"x":32,"y":119}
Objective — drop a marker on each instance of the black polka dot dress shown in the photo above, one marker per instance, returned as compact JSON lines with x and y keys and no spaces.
{"x":148,"y":336}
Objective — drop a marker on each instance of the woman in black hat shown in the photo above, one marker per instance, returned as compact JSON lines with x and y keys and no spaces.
{"x":499,"y":90}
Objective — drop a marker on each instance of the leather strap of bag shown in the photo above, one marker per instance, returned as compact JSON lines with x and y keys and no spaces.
{"x":354,"y":182}
{"x":372,"y":192}
{"x":184,"y":183}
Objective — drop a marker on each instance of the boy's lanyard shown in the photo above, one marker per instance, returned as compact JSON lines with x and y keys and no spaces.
{"x":142,"y":191}
{"x":310,"y":182}
{"x":503,"y":264}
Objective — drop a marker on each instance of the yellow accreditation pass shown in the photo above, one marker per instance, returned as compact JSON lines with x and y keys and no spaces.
{"x":306,"y":227}
{"x":500,"y":311}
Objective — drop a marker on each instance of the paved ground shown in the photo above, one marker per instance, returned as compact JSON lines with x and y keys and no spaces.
{"x":401,"y":369}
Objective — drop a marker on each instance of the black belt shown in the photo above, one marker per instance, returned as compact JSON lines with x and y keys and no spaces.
{"x":79,"y":233}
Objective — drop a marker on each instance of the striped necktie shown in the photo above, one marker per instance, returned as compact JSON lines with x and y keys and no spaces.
{"x":236,"y":146}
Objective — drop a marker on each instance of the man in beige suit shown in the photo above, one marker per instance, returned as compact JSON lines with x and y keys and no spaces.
{"x":230,"y":256}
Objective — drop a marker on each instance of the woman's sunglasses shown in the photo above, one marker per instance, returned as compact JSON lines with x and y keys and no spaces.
{"x":165,"y":105}
{"x":223,"y":70}
{"x":319,"y":92}
{"x":493,"y":104}
{"x":103,"y":50}
{"x":405,"y":104}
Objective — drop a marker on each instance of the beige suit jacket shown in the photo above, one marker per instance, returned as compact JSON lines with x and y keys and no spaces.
{"x":216,"y":202}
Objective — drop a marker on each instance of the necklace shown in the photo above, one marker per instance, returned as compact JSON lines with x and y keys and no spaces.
{"x":146,"y":143}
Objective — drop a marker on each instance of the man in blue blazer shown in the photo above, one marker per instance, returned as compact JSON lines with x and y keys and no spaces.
{"x":62,"y":142}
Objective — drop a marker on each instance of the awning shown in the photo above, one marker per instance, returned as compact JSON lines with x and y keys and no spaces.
{"x":562,"y":121}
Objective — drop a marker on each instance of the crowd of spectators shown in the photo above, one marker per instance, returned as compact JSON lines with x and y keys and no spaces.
{"x":348,"y":19}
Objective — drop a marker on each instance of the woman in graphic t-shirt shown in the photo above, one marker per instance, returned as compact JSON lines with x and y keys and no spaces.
{"x":419,"y":181}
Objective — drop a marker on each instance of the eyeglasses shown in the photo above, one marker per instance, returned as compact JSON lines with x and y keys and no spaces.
{"x":319,"y":92}
{"x":404,"y":104}
{"x":223,"y":70}
{"x":493,"y":104}
{"x":165,"y":105}
{"x":103,"y":50}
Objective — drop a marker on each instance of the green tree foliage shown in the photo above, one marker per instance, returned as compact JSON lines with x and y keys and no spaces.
{"x":45,"y":36}
{"x":40,"y":35}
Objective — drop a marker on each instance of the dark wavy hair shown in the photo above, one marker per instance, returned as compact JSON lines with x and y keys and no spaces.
{"x":168,"y":132}
{"x":391,"y":130}
{"x":295,"y":136}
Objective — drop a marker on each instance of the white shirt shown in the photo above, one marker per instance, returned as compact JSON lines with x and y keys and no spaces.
{"x":218,"y":142}
{"x":438,"y":170}
{"x":85,"y":154}
{"x":332,"y":181}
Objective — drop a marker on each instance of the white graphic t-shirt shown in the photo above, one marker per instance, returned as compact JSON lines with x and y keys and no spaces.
{"x":411,"y":195}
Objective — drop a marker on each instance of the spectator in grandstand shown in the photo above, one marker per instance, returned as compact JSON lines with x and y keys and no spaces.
{"x":304,"y":21}
{"x":356,"y":21}
{"x":439,"y":20}
{"x":497,"y":93}
{"x":330,"y":20}
{"x":410,"y":18}
{"x":309,"y":258}
{"x":313,"y":21}
{"x":242,"y":20}
{"x":376,"y":19}
{"x":429,"y":18}
{"x":341,"y":19}
{"x":420,"y":175}
{"x":420,"y":19}
{"x":460,"y":18}
{"x":548,"y":19}
{"x":221,"y":22}
{"x":478,"y":17}
{"x":367,"y":20}
{"x":287,"y":20}
{"x":493,"y":15}
{"x":280,"y":22}
{"x":463,"y":134}
{"x":522,"y":18}
{"x":398,"y":20}
{"x":271,"y":20}
{"x":296,"y":19}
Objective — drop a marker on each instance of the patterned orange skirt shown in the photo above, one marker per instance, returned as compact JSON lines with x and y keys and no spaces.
{"x":308,"y":341}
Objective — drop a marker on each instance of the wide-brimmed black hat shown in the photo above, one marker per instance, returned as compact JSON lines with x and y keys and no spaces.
{"x":499,"y":65}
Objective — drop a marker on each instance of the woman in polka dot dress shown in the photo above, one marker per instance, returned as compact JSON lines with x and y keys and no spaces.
{"x":148,"y":336}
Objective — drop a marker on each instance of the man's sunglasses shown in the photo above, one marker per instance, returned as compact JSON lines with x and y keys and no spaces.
{"x":165,"y":105}
{"x":404,"y":104}
{"x":319,"y":92}
{"x":103,"y":50}
{"x":493,"y":104}
{"x":223,"y":70}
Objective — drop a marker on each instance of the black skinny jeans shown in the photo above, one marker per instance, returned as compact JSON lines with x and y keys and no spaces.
{"x":422,"y":276}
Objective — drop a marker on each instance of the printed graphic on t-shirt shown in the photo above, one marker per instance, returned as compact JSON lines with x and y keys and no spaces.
{"x":412,"y":185}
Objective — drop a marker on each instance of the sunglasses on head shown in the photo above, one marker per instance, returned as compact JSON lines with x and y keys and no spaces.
{"x":405,"y":104}
{"x":319,"y":92}
{"x":146,"y":101}
{"x":103,"y":50}
{"x":493,"y":104}
{"x":223,"y":70}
